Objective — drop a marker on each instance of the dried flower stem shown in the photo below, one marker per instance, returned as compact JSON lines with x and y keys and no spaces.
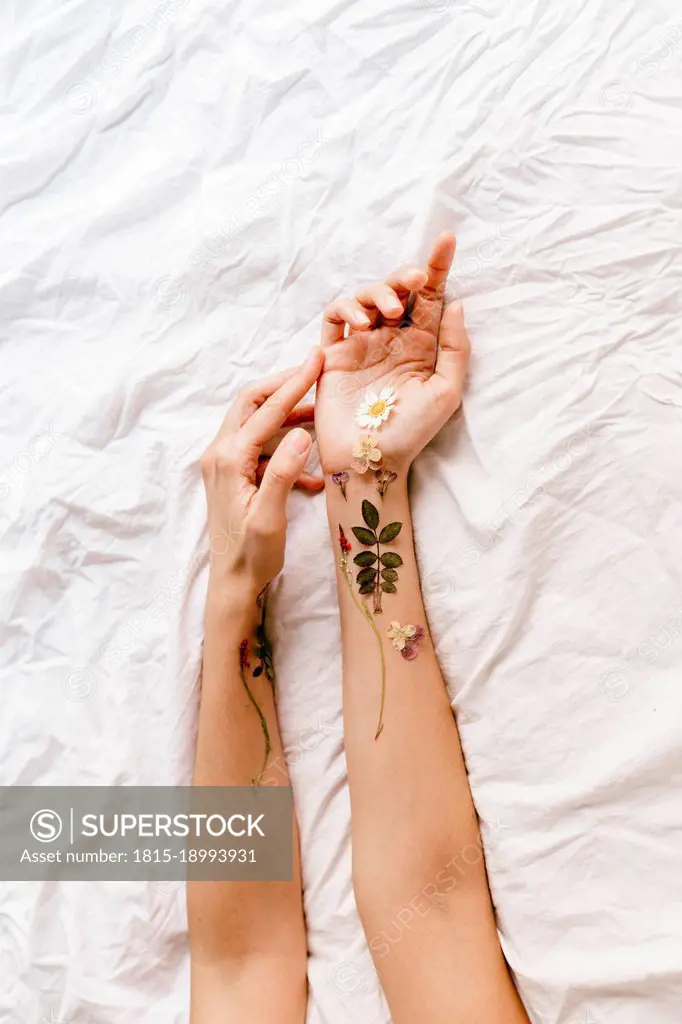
{"x":364,"y":610}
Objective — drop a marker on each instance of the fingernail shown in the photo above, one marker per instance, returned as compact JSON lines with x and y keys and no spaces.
{"x":395,"y":307}
{"x":361,"y":318}
{"x":299,"y":440}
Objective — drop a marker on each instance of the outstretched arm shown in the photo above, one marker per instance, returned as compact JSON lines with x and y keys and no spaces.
{"x":247,"y":939}
{"x":418,"y":866}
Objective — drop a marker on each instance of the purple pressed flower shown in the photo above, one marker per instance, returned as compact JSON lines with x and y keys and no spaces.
{"x":341,"y":479}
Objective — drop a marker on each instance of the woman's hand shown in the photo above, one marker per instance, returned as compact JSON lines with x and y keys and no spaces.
{"x":399,"y":337}
{"x":247,"y":522}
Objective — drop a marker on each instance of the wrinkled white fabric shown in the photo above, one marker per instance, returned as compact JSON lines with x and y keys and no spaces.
{"x":183,"y":187}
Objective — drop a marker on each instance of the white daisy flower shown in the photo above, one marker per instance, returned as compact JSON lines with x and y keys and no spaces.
{"x":375,"y":409}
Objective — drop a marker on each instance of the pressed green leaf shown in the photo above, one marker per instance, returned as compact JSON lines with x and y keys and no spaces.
{"x":368,"y":588}
{"x":365,"y":558}
{"x":370,"y":514}
{"x":366,"y":576}
{"x":389,"y":588}
{"x":364,"y":536}
{"x":389,"y":574}
{"x":391,"y":559}
{"x":390,"y":533}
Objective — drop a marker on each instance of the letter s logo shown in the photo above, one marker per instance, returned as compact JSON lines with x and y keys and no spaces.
{"x":46,"y":826}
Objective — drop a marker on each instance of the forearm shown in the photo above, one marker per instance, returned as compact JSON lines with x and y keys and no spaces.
{"x":416,"y":762}
{"x":417,"y":860}
{"x":231,"y":741}
{"x":239,"y":930}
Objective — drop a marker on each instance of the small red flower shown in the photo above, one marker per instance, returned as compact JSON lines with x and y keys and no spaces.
{"x":343,"y":541}
{"x":244,"y":655}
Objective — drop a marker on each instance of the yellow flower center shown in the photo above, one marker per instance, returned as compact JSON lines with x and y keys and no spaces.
{"x":377,"y":408}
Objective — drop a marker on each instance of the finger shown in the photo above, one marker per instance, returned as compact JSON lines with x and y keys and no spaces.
{"x":339,"y":313}
{"x":271,"y":415}
{"x":306,"y":481}
{"x":428,"y":303}
{"x":452,"y":361}
{"x":268,"y":448}
{"x":438,"y":266}
{"x":301,"y":414}
{"x":382,"y":297}
{"x":406,"y":279}
{"x":250,"y":399}
{"x":310,"y":483}
{"x":281,"y":473}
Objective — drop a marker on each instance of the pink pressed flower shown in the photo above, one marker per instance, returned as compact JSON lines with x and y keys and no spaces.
{"x":384,"y":478}
{"x":411,"y":648}
{"x":406,"y":639}
{"x":366,"y":455}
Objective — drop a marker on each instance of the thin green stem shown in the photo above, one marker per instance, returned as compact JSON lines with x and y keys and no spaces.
{"x":364,"y":610}
{"x":377,"y":589}
{"x":264,"y":727}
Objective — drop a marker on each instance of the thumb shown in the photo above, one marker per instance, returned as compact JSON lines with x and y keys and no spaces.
{"x":282,"y":471}
{"x":452,"y":361}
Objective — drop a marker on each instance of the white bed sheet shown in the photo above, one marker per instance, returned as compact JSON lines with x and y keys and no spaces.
{"x":183,"y":188}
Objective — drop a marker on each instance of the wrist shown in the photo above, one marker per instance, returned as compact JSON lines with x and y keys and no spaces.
{"x":381,"y":488}
{"x":231,"y":597}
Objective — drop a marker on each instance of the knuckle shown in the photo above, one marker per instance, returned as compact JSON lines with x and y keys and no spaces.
{"x":332,"y":311}
{"x":219,"y":459}
{"x":367,"y":289}
{"x":206,"y":462}
{"x":250,"y":394}
{"x":278,"y":475}
{"x":263,"y":528}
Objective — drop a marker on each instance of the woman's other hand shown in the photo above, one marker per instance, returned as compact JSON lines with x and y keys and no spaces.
{"x":247,"y":480}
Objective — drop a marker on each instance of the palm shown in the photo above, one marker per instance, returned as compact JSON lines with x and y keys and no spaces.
{"x":368,"y":361}
{"x":398,"y":348}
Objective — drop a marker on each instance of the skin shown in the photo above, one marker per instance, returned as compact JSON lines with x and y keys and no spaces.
{"x":417,"y":857}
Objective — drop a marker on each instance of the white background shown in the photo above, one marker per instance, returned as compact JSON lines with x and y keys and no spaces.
{"x":183,"y":187}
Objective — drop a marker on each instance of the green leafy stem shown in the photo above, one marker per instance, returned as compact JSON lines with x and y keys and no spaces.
{"x":377,"y":574}
{"x":244,"y":665}
{"x":263,"y":648}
